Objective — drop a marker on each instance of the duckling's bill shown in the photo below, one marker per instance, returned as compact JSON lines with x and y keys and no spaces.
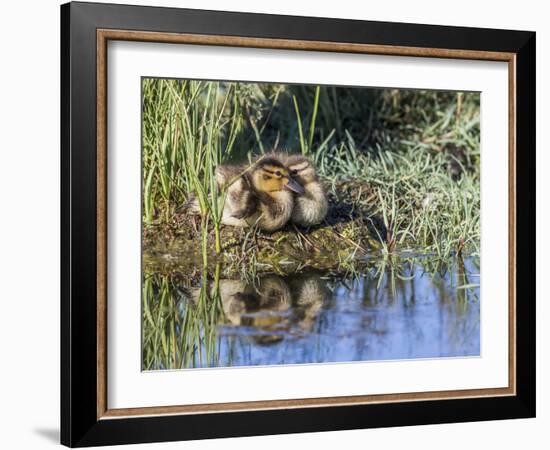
{"x":294,"y":186}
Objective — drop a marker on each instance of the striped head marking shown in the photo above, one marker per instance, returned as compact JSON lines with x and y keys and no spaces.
{"x":301,"y":169}
{"x":272,"y":176}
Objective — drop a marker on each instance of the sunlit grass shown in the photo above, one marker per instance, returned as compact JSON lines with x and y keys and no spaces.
{"x":426,"y":197}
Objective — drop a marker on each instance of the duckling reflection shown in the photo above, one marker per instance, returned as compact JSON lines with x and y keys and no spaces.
{"x":271,"y":308}
{"x":258,"y":305}
{"x":311,"y":295}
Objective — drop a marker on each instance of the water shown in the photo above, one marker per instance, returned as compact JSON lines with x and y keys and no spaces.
{"x":399,"y":310}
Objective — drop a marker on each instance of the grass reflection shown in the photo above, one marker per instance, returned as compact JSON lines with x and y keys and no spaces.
{"x":402,"y":307}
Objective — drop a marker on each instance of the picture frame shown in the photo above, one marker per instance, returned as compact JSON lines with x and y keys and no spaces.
{"x":86,"y":418}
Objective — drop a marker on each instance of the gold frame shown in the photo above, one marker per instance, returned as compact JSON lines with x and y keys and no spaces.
{"x":103,"y":36}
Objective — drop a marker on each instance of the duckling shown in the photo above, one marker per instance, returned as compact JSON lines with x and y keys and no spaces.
{"x":261,"y":195}
{"x":311,"y":207}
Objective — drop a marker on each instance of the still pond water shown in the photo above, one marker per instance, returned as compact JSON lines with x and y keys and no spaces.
{"x":411,"y":308}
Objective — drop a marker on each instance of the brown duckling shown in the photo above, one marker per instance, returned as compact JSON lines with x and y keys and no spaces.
{"x":311,"y":207}
{"x":261,"y":195}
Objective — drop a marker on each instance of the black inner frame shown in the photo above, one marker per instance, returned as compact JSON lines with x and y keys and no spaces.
{"x":79,"y":423}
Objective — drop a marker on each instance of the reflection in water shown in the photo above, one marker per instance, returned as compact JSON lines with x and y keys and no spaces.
{"x":397,"y":311}
{"x":267,"y":311}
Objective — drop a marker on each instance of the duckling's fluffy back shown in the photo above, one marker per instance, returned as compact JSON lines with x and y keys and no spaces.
{"x":310,"y":208}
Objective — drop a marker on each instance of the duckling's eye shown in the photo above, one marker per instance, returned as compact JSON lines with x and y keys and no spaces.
{"x":278,"y":173}
{"x":294,"y":172}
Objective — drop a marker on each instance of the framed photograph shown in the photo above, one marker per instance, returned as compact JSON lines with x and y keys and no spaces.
{"x":276,"y":224}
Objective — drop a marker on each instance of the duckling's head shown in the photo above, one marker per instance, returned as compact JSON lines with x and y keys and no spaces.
{"x":301,"y":169}
{"x":270,"y":176}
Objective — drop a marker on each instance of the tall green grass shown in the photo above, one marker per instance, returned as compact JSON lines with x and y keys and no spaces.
{"x":306,"y":147}
{"x":187,"y":133}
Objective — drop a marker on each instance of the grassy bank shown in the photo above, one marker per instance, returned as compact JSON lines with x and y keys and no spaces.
{"x":401,"y":167}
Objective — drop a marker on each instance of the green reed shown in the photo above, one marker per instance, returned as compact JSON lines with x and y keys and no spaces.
{"x":189,"y":128}
{"x":306,"y":146}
